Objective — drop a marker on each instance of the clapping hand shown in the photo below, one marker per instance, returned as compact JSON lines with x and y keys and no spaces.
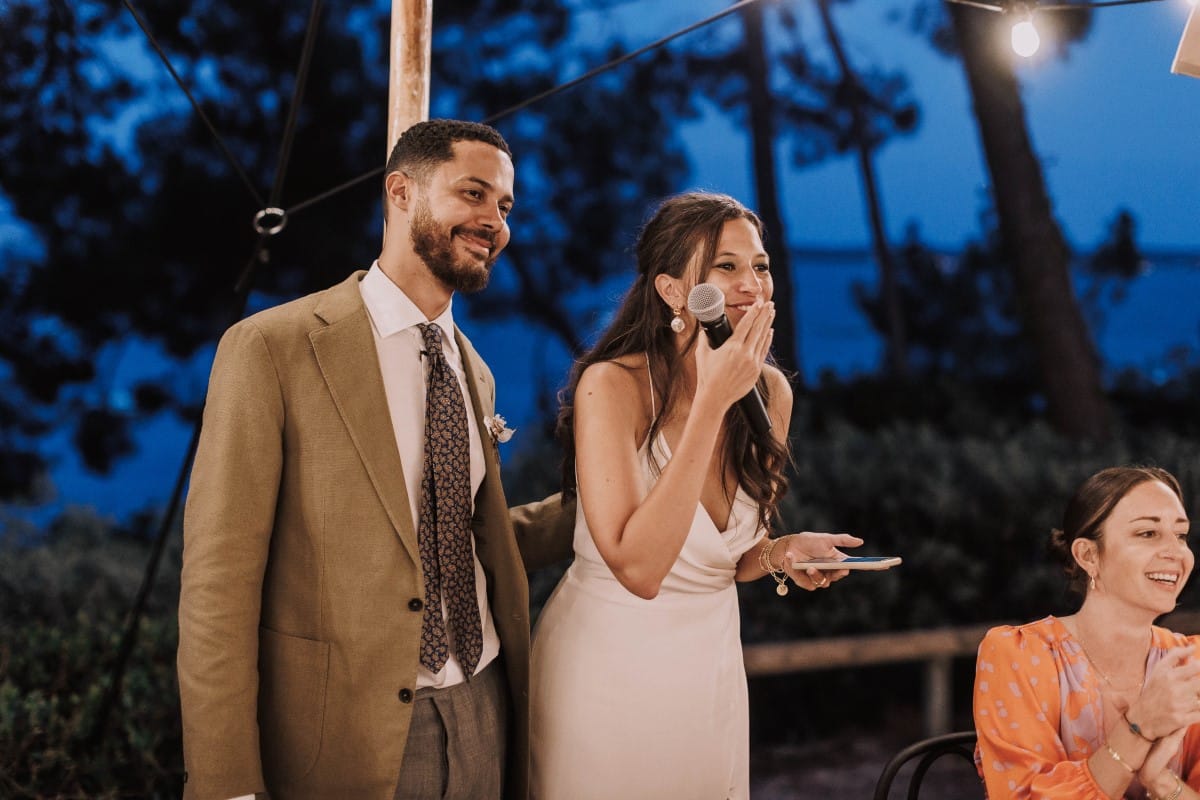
{"x":1170,"y":700}
{"x":1160,"y":755}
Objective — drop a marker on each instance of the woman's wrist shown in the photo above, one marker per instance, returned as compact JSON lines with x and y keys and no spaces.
{"x":768,"y":556}
{"x":765,"y":563}
{"x":710,"y":402}
{"x":1126,"y":762}
{"x":1130,"y":716}
{"x":779,"y":551}
{"x":1166,"y":785}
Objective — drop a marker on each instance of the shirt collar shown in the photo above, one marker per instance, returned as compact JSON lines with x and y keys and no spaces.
{"x":392,"y":311}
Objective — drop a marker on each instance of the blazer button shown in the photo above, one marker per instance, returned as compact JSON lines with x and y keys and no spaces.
{"x":415,"y":604}
{"x":406,"y":695}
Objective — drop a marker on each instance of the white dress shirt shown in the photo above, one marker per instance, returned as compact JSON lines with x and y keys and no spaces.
{"x":398,"y":341}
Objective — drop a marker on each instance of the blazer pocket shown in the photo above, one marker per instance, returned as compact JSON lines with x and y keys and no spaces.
{"x":293,"y":675}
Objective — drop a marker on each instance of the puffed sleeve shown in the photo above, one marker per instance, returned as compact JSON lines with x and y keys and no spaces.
{"x":1189,"y":752}
{"x":1017,"y":709}
{"x":1189,"y":757}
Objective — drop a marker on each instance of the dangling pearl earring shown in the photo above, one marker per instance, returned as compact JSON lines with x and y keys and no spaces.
{"x":1092,"y":583}
{"x":677,"y":323}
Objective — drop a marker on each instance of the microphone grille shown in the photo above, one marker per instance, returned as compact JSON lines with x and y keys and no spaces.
{"x":706,"y":302}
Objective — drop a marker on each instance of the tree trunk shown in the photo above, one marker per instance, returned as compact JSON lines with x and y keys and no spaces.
{"x":897,"y":346}
{"x":1066,"y":357}
{"x":762,"y":138}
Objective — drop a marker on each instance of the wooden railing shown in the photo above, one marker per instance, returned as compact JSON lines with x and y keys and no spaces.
{"x":937,"y":648}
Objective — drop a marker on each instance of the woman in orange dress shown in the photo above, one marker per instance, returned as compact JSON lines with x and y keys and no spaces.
{"x":1101,"y":703}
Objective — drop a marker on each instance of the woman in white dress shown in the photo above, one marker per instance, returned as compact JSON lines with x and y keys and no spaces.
{"x":638,"y":685}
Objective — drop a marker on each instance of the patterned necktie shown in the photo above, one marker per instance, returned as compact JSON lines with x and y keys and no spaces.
{"x":444,"y":532}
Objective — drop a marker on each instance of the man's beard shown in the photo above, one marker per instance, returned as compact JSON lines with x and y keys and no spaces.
{"x":436,"y":249}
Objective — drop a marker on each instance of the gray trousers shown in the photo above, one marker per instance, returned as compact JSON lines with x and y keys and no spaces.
{"x":457,"y":740}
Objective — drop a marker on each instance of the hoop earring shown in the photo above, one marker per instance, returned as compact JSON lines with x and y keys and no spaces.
{"x":677,"y":323}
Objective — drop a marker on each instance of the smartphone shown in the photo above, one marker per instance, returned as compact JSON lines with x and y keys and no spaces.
{"x":850,"y":562}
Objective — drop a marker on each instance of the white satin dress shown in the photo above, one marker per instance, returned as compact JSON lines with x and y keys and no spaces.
{"x":634,"y":698}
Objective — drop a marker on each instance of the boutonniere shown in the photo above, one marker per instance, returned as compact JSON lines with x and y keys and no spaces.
{"x":498,"y":427}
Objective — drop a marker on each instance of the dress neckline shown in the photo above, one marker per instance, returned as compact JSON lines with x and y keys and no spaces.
{"x":731,"y":522}
{"x":739,"y":494}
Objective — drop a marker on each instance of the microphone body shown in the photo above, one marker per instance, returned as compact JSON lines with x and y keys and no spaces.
{"x":707,"y":304}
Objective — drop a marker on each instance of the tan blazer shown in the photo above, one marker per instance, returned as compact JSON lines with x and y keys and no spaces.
{"x":298,"y":634}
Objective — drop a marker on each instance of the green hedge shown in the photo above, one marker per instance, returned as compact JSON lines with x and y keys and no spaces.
{"x":971,"y":516}
{"x":52,"y":680}
{"x":63,"y":615}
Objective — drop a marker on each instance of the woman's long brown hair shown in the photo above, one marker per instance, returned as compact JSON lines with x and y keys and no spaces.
{"x":681,"y":225}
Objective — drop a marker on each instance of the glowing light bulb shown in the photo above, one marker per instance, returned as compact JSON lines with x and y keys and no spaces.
{"x":1025,"y":39}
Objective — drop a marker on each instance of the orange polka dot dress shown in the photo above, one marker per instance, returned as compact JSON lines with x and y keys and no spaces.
{"x":1039,"y":715}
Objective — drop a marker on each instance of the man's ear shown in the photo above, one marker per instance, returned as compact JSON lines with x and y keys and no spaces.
{"x":670,"y":290}
{"x":399,"y":189}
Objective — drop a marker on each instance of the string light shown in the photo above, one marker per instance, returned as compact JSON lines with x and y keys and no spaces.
{"x":1025,"y":39}
{"x":1077,"y":5}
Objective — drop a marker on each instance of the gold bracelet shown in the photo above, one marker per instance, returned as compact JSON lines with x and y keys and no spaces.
{"x":764,"y":561}
{"x":764,"y":556}
{"x":1178,"y":789}
{"x":1117,"y":758}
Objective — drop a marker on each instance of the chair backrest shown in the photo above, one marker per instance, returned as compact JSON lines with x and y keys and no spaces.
{"x":925,"y":752}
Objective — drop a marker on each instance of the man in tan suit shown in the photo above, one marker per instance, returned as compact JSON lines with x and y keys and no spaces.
{"x":317,"y":656}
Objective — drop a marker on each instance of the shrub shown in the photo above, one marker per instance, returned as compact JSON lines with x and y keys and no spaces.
{"x":64,"y":605}
{"x":970,"y":515}
{"x":53,"y":677}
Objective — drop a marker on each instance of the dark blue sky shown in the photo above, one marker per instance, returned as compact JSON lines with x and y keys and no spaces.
{"x":1113,"y":126}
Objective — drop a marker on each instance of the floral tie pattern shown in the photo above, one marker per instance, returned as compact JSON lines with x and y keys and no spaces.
{"x":444,"y":531}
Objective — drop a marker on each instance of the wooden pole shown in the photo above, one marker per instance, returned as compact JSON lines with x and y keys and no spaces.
{"x":408,"y":76}
{"x":1187,"y":57}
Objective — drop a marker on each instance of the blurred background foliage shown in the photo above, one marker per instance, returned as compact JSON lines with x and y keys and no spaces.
{"x":65,"y":605}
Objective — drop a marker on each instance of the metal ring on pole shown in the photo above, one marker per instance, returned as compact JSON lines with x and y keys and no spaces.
{"x":270,"y":221}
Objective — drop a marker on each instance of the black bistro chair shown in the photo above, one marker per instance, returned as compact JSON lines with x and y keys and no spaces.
{"x":925,"y":752}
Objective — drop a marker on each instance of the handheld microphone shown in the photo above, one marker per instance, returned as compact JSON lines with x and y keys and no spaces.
{"x":707,"y":304}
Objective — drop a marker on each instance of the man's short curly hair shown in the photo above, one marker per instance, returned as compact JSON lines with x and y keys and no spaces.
{"x":427,"y":144}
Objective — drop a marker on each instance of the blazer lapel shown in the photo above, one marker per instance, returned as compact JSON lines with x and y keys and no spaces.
{"x":345,"y":351}
{"x":490,"y":505}
{"x":483,"y":399}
